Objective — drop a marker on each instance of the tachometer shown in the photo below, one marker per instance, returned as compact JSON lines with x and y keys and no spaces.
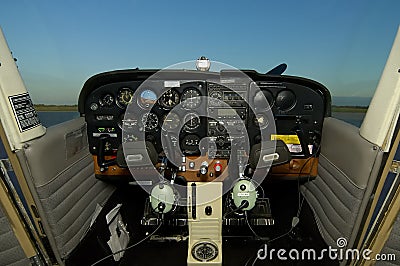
{"x":191,"y":98}
{"x":147,"y":99}
{"x":124,"y":97}
{"x":150,"y":121}
{"x":169,"y":99}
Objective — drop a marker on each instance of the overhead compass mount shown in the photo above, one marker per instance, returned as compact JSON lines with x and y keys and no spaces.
{"x":203,"y":64}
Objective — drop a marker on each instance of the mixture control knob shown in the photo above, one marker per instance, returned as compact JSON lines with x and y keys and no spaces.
{"x":204,"y":168}
{"x":218,"y":167}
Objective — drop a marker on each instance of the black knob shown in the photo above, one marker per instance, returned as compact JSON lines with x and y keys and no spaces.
{"x":243,"y":187}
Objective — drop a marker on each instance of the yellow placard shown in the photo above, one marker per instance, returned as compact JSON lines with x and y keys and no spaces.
{"x":288,"y":139}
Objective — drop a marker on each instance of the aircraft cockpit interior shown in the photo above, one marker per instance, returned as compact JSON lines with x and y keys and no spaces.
{"x":199,"y":163}
{"x":204,"y":159}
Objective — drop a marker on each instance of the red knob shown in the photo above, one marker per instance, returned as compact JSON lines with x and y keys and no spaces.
{"x":218,"y":167}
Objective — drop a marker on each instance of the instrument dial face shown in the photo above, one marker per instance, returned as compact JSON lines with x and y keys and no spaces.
{"x":190,"y":144}
{"x":205,"y":251}
{"x":259,"y":100}
{"x":192,"y":121}
{"x":124,"y":97}
{"x":171,"y":121}
{"x":150,"y":121}
{"x":215,"y":98}
{"x":169,"y":99}
{"x":285,"y":100}
{"x":147,"y":99}
{"x":107,"y":100}
{"x":191,"y":98}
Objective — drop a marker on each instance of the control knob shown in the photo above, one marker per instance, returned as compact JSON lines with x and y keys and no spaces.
{"x":204,"y":168}
{"x":217,"y":167}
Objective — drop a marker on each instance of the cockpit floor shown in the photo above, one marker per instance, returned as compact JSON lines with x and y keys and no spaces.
{"x":240,"y":247}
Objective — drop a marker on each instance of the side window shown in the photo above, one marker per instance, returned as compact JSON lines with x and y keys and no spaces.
{"x":51,"y":115}
{"x":350,"y":109}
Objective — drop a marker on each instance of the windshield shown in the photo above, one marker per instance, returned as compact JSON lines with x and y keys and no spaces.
{"x":341,"y":44}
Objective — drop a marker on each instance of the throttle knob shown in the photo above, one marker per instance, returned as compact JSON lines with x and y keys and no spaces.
{"x":204,"y":168}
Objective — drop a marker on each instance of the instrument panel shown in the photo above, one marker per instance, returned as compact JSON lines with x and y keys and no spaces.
{"x":121,"y":107}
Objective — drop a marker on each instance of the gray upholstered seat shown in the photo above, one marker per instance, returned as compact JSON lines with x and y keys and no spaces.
{"x":59,"y":169}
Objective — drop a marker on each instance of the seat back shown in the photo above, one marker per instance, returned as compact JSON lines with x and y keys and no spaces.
{"x":59,"y":172}
{"x":347,"y":171}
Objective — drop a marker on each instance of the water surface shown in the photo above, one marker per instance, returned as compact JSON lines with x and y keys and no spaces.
{"x":51,"y":118}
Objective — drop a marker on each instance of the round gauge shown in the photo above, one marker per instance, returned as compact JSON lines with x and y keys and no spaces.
{"x":204,"y":251}
{"x":171,"y":121}
{"x":191,"y":98}
{"x":124,"y":97}
{"x":150,"y":121}
{"x":169,"y":99}
{"x":192,"y":121}
{"x":259,"y":101}
{"x":94,"y":106}
{"x":147,"y":99}
{"x":215,"y":98}
{"x":216,"y":95}
{"x":261,"y":121}
{"x":190,"y":144}
{"x":285,"y":100}
{"x":107,"y":100}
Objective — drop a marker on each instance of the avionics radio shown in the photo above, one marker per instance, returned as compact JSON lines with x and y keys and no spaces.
{"x":228,"y":107}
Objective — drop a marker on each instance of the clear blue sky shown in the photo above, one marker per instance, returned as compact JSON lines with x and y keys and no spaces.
{"x":59,"y":44}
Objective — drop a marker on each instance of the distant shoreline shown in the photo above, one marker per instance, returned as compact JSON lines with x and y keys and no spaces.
{"x":74,"y":108}
{"x":56,"y":108}
{"x":349,"y":109}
